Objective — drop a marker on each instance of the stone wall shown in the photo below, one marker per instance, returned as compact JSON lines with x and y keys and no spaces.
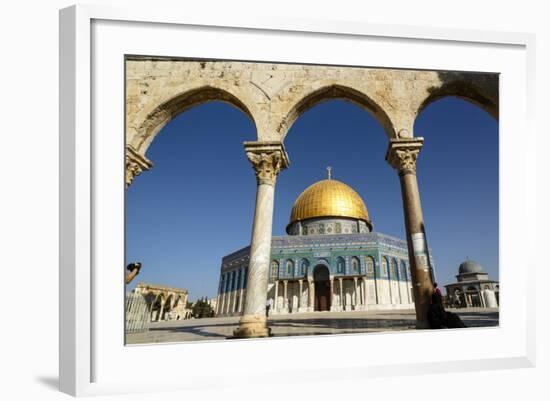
{"x":273,"y":96}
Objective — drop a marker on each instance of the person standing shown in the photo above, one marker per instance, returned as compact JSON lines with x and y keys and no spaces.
{"x":436,"y":311}
{"x":268,"y":305}
{"x":437,"y":298}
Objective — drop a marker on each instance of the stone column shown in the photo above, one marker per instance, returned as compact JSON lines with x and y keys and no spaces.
{"x":268,"y":159}
{"x":285,"y":295}
{"x":234,"y":306}
{"x":222,"y":301}
{"x":331,"y":294}
{"x":227,"y":302}
{"x":135,"y":164}
{"x":364,"y":293}
{"x":218,"y":298}
{"x":402,"y":155}
{"x":356,"y":294}
{"x":162,"y":302}
{"x":276,"y":301}
{"x":341,"y":293}
{"x":241,"y":300}
{"x":300,"y":295}
{"x":311,"y":295}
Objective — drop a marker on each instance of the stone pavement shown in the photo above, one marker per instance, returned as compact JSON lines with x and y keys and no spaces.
{"x":303,"y":324}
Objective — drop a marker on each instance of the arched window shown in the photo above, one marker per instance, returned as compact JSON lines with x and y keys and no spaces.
{"x":340,"y":265}
{"x":355,"y":265}
{"x":274,"y":268}
{"x":303,"y":267}
{"x":393,"y":269}
{"x":289,"y":267}
{"x":403,"y":271}
{"x":370,"y":265}
{"x":384,"y":267}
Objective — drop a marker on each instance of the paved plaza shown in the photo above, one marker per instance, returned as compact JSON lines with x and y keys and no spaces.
{"x":303,"y":324}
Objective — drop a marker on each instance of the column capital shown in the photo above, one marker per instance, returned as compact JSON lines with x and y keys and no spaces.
{"x":268,"y":158}
{"x":135,"y":164}
{"x":402,"y":154}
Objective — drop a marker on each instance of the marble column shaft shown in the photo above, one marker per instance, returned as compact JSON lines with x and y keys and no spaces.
{"x":268,"y":159}
{"x":285,"y":294}
{"x":331,"y":292}
{"x":402,"y":155}
{"x":240,"y":308}
{"x":159,"y":318}
{"x":364,"y":291}
{"x":276,"y":300}
{"x":341,"y":293}
{"x":311,"y":295}
{"x":300,"y":295}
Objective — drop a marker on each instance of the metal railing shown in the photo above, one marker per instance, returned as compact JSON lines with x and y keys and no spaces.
{"x":138,"y":313}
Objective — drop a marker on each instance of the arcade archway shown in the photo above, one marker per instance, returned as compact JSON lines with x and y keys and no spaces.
{"x":321,"y":280}
{"x":273,"y":95}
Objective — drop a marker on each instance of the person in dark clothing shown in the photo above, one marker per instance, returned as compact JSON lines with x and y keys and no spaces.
{"x":437,"y":298}
{"x":438,"y":318}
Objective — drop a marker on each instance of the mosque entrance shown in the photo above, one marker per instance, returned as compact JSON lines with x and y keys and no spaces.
{"x":321,"y":278}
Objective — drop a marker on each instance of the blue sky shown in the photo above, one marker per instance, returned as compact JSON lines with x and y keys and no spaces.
{"x":196,"y":204}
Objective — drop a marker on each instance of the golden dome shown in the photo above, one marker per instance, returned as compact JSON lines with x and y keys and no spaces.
{"x":329,"y":198}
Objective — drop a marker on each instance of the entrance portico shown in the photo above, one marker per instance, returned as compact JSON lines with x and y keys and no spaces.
{"x":323,"y":288}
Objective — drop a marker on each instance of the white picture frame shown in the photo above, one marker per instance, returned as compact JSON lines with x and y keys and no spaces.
{"x":96,"y":362}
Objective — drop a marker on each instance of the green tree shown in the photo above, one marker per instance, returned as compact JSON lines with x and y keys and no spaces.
{"x":201,"y":309}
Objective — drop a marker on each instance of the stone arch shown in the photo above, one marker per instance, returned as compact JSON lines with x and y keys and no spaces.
{"x":340,"y":265}
{"x":157,"y":305}
{"x":394,"y":273}
{"x":168,"y":305}
{"x":166,"y":111}
{"x":274,"y":268}
{"x":289,"y":267}
{"x":370,"y":265}
{"x":150,"y":298}
{"x":384,"y":267}
{"x":304,"y":265}
{"x":331,"y":92}
{"x":479,"y":89}
{"x":160,"y":298}
{"x":321,"y":280}
{"x":355,"y":265}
